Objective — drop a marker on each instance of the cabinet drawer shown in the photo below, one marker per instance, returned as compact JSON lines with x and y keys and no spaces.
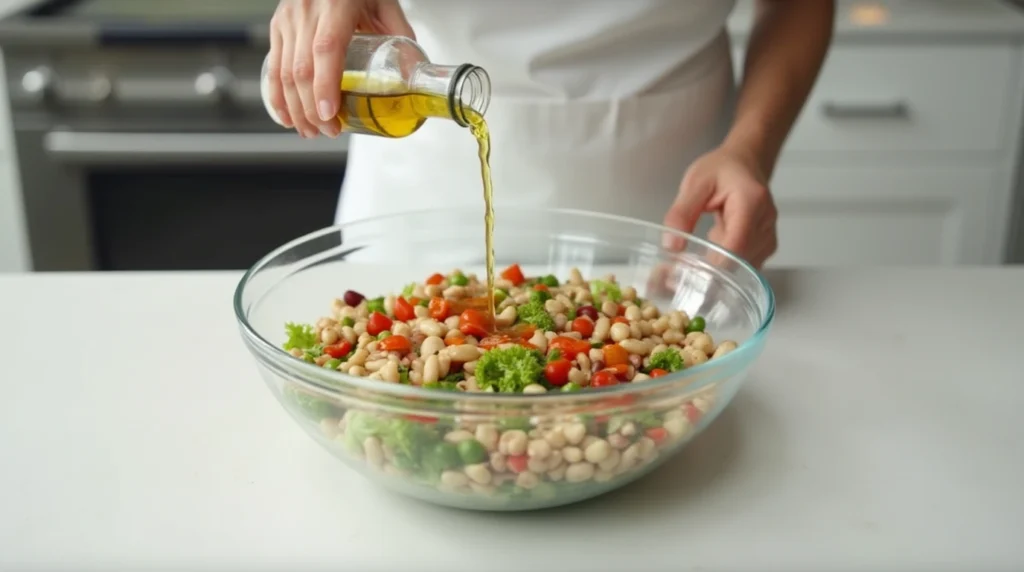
{"x":909,"y":98}
{"x":831,"y":216}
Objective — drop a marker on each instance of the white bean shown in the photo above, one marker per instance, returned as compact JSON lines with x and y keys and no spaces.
{"x":633,"y":313}
{"x":458,"y":436}
{"x":513,"y":442}
{"x":536,"y":465}
{"x":637,"y":347}
{"x":506,"y":318}
{"x":554,"y":306}
{"x":431,"y":327}
{"x":479,"y":473}
{"x":539,"y":341}
{"x":572,"y":454}
{"x":527,"y":480}
{"x":577,"y":376}
{"x":597,"y":451}
{"x":574,"y":433}
{"x":390,"y":372}
{"x":601,"y":329}
{"x":678,"y":427}
{"x":401,"y":329}
{"x":539,"y":449}
{"x":534,"y":388}
{"x":444,"y":364}
{"x":376,"y":365}
{"x":611,"y":461}
{"x":579,"y":472}
{"x":555,"y":438}
{"x":619,"y":332}
{"x":675,"y":321}
{"x":498,"y":462}
{"x":659,"y":326}
{"x":463,"y":353}
{"x":455,"y":292}
{"x":488,"y":436}
{"x":431,"y":346}
{"x":609,"y":308}
{"x":724,"y":348}
{"x":329,"y":336}
{"x":701,"y":342}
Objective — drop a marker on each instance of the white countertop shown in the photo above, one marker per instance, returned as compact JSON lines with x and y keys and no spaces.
{"x":980,"y":20}
{"x":879,"y":431}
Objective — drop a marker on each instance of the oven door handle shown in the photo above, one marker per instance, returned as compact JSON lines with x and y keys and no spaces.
{"x":119,"y":149}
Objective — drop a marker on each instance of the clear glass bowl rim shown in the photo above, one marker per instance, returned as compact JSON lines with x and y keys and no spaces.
{"x":329,"y":383}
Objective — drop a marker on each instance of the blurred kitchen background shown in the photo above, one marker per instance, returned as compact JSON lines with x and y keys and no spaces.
{"x":124,"y":146}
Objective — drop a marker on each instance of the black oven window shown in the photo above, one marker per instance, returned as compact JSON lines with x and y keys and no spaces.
{"x":205,"y":218}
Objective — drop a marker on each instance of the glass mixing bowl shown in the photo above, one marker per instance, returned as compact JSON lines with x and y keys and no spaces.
{"x":393,"y":433}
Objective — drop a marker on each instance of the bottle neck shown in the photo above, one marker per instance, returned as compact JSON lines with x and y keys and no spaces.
{"x":466,"y":88}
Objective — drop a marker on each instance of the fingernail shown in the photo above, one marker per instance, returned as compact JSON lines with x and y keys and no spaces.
{"x":324,"y":107}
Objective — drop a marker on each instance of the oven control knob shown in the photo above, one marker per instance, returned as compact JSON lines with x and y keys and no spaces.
{"x":39,"y":82}
{"x":215,"y":83}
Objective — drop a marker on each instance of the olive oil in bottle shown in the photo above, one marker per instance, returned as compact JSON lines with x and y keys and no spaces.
{"x":390,"y":88}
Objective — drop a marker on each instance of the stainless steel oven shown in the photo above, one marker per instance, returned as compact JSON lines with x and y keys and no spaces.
{"x":143,"y":145}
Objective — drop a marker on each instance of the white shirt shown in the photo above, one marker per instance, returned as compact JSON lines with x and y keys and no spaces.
{"x":596,"y":104}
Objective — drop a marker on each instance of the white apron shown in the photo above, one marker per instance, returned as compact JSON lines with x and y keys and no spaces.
{"x":596,"y":104}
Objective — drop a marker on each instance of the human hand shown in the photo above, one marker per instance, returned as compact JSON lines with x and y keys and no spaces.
{"x":729,"y":183}
{"x":308,"y":39}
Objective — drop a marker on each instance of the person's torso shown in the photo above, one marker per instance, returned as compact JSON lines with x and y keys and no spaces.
{"x":596,"y":104}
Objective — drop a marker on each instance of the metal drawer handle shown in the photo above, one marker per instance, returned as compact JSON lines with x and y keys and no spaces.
{"x":91,"y":148}
{"x":890,"y":110}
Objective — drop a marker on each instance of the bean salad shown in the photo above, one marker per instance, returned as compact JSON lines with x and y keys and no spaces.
{"x":546,"y":335}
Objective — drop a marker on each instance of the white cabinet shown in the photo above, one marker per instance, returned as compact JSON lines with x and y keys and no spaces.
{"x":906,"y":150}
{"x":835,"y":215}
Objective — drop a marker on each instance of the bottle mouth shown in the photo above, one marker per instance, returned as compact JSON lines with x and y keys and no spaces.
{"x":469,"y":94}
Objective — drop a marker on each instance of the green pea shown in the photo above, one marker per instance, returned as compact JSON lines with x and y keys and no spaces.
{"x":446,"y":455}
{"x":375,"y":305}
{"x":597,"y":345}
{"x":696,"y":325}
{"x":384,"y":334}
{"x":472,"y":452}
{"x":458,"y":280}
{"x":347,"y":321}
{"x":550,"y":281}
{"x":423,"y":303}
{"x":570,"y":387}
{"x":332,"y":364}
{"x":499,"y":295}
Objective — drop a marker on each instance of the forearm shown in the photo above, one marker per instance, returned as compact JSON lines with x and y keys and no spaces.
{"x":786,"y":50}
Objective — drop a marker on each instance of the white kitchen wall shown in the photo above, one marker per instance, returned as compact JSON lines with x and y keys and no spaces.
{"x":14,"y":254}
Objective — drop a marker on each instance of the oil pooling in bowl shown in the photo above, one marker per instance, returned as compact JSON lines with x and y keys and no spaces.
{"x":390,"y":88}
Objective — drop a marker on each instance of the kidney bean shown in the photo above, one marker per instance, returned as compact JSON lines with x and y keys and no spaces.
{"x":353,"y":298}
{"x":588,"y":311}
{"x":636,"y":361}
{"x":596,"y":366}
